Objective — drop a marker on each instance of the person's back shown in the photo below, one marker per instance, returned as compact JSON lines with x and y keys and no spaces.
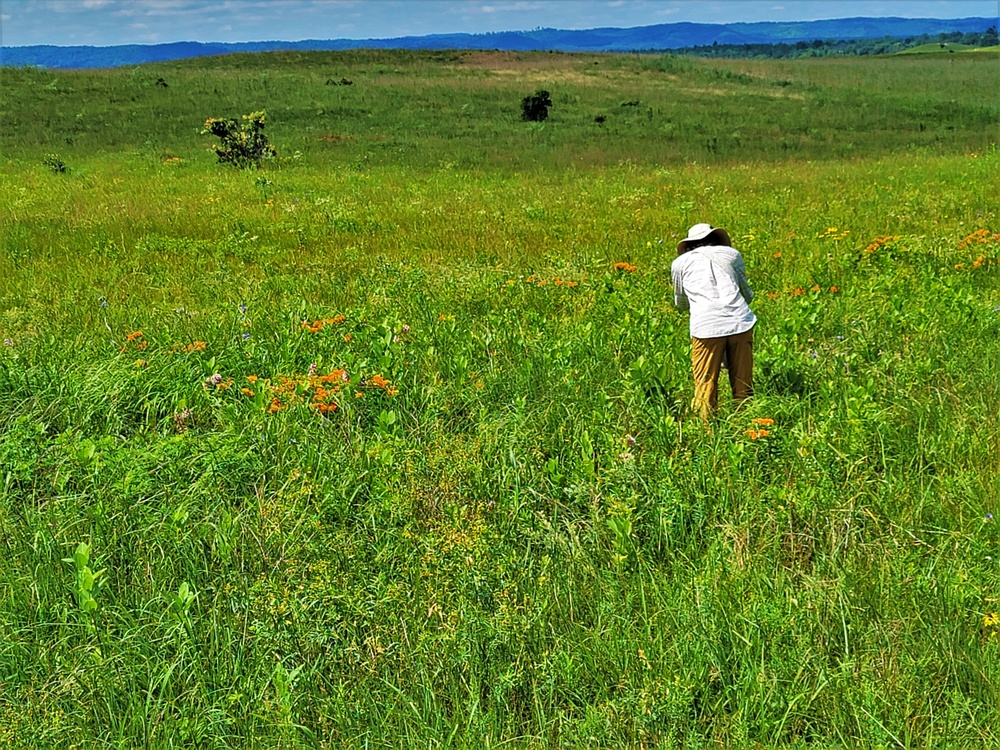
{"x":711,"y":282}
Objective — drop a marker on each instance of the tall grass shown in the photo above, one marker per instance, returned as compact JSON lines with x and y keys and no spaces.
{"x":510,"y":531}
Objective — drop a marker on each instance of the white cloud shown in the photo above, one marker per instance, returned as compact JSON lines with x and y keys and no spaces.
{"x":518,"y":7}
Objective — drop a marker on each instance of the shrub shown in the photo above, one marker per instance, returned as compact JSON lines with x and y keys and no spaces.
{"x":535,"y":108}
{"x":243,"y":144}
{"x":55,"y":163}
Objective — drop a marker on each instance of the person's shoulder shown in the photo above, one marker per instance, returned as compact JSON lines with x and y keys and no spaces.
{"x":726,"y":251}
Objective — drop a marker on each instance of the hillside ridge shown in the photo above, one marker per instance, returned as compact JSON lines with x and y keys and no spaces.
{"x":640,"y":38}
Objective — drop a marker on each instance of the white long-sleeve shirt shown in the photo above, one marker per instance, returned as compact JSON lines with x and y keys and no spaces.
{"x":711,"y":282}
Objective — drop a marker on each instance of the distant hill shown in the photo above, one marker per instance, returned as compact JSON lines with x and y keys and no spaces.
{"x":642,"y":38}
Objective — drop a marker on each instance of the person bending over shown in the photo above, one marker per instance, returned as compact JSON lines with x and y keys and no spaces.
{"x":710,"y":280}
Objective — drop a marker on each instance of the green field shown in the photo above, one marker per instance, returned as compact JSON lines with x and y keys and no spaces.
{"x":387,"y":444}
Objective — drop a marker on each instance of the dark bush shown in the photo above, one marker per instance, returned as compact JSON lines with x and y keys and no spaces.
{"x":243,"y":145}
{"x":535,"y":108}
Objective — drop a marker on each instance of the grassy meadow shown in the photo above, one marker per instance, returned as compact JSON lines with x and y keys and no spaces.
{"x":387,"y":444}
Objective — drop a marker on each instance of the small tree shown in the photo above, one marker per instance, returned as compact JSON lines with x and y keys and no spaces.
{"x":535,"y":108}
{"x":243,"y":144}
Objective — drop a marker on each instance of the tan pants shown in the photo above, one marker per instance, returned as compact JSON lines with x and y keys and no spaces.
{"x":706,"y":361}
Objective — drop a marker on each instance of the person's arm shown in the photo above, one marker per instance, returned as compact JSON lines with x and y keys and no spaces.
{"x":741,"y":278}
{"x":680,"y":297}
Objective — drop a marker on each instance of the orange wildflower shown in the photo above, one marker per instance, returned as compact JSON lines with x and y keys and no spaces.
{"x":624,"y":266}
{"x":756,"y":434}
{"x":763,"y":421}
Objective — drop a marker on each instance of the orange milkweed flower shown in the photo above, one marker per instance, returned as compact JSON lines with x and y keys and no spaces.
{"x":763,"y":421}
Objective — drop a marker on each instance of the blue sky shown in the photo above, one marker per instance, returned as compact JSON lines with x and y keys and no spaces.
{"x":108,"y":22}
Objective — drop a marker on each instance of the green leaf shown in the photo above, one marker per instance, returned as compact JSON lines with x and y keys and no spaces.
{"x":82,"y":556}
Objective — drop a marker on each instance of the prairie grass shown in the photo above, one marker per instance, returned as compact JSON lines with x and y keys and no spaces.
{"x":377,"y":447}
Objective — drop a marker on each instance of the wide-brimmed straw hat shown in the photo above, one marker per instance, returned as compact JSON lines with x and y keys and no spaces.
{"x":701,"y":231}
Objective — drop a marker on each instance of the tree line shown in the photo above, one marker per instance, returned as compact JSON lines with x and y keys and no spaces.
{"x":835,"y":47}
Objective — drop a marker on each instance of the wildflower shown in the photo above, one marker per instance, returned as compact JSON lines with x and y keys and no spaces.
{"x":763,"y":421}
{"x":756,"y":434}
{"x":630,"y":441}
{"x":133,"y":336}
{"x":8,"y":342}
{"x":625,"y":457}
{"x":834,"y":290}
{"x":989,"y":517}
{"x":624,"y":266}
{"x":195,"y":346}
{"x":181,"y":419}
{"x":246,"y":336}
{"x":405,"y":328}
{"x":347,"y":338}
{"x":247,"y":392}
{"x":252,"y":378}
{"x":991,"y":622}
{"x":243,"y":308}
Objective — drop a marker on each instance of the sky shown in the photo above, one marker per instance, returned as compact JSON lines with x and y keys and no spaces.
{"x":111,"y":22}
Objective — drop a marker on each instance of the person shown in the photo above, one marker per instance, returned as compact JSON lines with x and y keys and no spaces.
{"x":710,"y":280}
